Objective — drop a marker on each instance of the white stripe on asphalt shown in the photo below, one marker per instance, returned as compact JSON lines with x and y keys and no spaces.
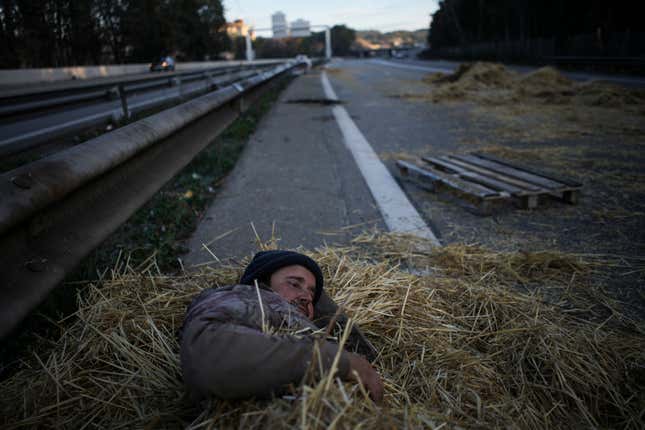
{"x":54,"y":128}
{"x":448,"y":69}
{"x":399,"y":214}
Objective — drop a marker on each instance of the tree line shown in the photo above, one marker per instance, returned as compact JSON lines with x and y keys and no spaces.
{"x":56,"y":33}
{"x":462,"y":22}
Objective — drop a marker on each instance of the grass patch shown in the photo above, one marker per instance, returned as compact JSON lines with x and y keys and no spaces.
{"x":159,"y":227}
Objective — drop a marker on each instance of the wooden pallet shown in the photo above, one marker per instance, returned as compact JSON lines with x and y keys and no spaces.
{"x":488,"y":179}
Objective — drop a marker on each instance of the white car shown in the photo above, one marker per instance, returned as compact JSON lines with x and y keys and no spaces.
{"x":304,"y":59}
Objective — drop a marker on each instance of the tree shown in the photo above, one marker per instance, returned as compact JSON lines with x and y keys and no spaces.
{"x":458,"y":22}
{"x":342,"y":38}
{"x":46,"y":33}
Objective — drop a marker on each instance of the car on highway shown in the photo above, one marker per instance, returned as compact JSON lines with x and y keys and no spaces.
{"x":304,"y":59}
{"x":165,"y":64}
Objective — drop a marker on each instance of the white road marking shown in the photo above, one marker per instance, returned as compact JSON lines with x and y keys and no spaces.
{"x":399,"y":214}
{"x":54,"y":128}
{"x":412,"y":67}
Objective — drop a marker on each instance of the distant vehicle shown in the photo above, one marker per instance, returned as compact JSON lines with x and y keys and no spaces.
{"x":304,"y":59}
{"x":165,"y":64}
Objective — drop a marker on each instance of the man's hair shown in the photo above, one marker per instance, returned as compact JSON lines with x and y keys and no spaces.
{"x":266,"y":263}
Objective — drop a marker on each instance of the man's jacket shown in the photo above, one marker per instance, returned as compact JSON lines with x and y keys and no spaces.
{"x":233,"y":346}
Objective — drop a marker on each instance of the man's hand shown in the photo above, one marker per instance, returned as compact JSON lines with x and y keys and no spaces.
{"x":360,"y":370}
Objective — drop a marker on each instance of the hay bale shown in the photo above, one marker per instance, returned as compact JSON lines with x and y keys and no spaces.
{"x":485,"y":82}
{"x":604,"y":94}
{"x":545,"y":83}
{"x":545,"y":77}
{"x":459,"y":347}
{"x":492,"y":83}
{"x":479,"y":74}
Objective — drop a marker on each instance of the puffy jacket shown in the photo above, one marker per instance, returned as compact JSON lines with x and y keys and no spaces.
{"x":233,"y":347}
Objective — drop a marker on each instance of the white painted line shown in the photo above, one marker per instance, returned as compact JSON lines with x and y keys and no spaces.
{"x":399,"y":214}
{"x":55,"y":128}
{"x":412,"y":67}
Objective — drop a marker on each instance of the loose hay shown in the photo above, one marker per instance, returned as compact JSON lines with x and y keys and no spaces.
{"x":458,"y":346}
{"x":493,"y":83}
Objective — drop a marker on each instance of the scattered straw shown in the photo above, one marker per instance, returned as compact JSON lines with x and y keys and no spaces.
{"x":461,"y":347}
{"x":541,"y":105}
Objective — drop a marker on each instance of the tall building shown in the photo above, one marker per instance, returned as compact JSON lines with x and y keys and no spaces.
{"x":279,"y":25}
{"x":300,"y":28}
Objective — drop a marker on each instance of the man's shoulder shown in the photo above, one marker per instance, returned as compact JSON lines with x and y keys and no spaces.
{"x":220,"y":293}
{"x":244,"y":304}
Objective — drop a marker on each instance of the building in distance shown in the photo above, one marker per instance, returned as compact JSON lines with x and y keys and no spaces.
{"x":279,"y":25}
{"x":300,"y":28}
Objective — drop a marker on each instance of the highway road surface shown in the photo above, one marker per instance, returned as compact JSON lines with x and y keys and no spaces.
{"x":301,"y":179}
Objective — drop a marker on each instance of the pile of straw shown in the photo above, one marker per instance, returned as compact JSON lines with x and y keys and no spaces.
{"x":459,"y":347}
{"x":492,"y":83}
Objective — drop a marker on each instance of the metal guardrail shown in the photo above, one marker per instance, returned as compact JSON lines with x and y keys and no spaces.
{"x":54,"y":211}
{"x":20,"y":104}
{"x":26,"y":141}
{"x":43,"y":93}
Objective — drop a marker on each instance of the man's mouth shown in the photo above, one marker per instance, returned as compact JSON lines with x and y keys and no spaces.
{"x":303,"y":309}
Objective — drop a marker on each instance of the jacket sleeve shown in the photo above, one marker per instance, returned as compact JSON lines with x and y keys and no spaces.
{"x":232,"y":361}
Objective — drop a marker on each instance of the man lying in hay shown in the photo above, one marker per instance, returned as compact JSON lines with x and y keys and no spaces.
{"x":256,"y":338}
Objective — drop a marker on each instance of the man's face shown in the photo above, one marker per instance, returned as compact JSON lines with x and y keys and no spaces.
{"x":297,"y":285}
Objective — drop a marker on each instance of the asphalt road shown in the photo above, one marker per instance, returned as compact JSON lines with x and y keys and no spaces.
{"x":39,"y":126}
{"x":371,"y":93}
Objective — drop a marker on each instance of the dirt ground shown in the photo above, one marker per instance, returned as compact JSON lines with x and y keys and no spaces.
{"x":593,"y":132}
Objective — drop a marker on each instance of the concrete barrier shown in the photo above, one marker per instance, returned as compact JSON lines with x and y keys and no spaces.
{"x":29,"y":76}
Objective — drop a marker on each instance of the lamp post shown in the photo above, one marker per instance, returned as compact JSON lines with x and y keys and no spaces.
{"x":250,"y":55}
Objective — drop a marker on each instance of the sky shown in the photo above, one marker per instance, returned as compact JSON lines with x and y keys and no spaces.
{"x":382,"y":15}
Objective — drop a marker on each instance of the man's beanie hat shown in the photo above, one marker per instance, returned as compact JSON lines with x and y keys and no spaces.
{"x":265,"y":263}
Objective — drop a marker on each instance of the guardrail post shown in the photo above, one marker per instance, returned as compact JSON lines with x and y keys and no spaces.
{"x":120,"y":89}
{"x":177,"y":82}
{"x":211,"y":81}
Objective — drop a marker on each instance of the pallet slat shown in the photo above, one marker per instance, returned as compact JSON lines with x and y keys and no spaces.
{"x":527,"y":186}
{"x":559,"y":178}
{"x":476,"y":177}
{"x":429,"y":175}
{"x":512,"y":172}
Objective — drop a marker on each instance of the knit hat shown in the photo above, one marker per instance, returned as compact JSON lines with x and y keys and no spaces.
{"x":266,"y":263}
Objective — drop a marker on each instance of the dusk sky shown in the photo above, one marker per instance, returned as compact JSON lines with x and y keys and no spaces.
{"x":383,"y":15}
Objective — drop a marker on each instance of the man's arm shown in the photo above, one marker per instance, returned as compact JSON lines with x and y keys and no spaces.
{"x":232,"y":361}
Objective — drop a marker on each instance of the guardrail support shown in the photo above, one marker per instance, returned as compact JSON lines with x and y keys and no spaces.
{"x":177,"y":83}
{"x":212,"y":85}
{"x":120,"y":89}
